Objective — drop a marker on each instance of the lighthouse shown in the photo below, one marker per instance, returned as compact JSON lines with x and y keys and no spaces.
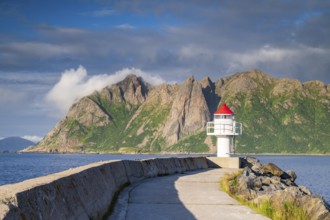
{"x":225,"y":128}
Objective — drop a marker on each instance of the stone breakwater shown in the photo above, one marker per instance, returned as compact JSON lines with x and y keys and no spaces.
{"x":85,"y":192}
{"x":88,"y":192}
{"x":267,"y":182}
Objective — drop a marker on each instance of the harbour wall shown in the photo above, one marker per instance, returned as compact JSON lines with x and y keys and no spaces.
{"x":85,"y":192}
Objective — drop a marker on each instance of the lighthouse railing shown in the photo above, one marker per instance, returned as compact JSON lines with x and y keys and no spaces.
{"x":224,"y":128}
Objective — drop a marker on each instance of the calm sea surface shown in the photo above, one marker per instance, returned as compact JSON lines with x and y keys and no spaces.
{"x":312,"y":171}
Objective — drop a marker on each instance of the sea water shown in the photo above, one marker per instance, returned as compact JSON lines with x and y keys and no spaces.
{"x":312,"y":171}
{"x":18,"y":167}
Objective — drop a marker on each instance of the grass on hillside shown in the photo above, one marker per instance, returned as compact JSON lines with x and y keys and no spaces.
{"x":193,"y":143}
{"x":287,"y":211}
{"x":271,"y":126}
{"x":124,"y":134}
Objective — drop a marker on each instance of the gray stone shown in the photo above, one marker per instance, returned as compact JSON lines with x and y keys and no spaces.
{"x":272,"y":169}
{"x":292,"y":174}
{"x":246,"y":171}
{"x":257,"y":183}
{"x":252,"y":163}
{"x":304,"y":190}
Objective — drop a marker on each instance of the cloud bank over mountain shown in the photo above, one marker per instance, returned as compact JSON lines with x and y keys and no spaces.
{"x":75,"y":84}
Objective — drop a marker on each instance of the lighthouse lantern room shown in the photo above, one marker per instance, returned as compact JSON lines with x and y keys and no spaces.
{"x":225,"y":128}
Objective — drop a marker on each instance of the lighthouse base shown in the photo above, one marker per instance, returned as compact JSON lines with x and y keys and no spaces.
{"x":224,"y":162}
{"x":223,"y":146}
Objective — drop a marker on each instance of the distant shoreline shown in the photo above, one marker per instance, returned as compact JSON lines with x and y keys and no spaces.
{"x":167,"y":153}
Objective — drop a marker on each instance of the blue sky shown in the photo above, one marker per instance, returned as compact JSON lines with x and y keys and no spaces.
{"x":88,"y":41}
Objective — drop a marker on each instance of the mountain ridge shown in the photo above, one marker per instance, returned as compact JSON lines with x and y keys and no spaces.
{"x":14,"y":144}
{"x":278,"y":116}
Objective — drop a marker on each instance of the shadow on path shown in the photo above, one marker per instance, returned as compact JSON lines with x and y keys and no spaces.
{"x":154,"y":198}
{"x":192,"y":195}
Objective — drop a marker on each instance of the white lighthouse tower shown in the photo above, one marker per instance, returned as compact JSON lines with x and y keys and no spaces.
{"x":225,"y":128}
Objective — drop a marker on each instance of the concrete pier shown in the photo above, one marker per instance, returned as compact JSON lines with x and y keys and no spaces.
{"x":89,"y":192}
{"x":193,"y":195}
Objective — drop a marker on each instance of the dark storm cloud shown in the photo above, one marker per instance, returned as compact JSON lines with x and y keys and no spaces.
{"x":205,"y":38}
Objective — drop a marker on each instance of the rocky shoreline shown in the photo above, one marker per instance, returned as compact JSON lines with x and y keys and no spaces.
{"x":267,"y":182}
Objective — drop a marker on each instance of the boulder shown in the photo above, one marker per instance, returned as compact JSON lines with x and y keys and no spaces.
{"x":292,"y":174}
{"x":248,"y":172}
{"x":304,"y":190}
{"x":314,"y":206}
{"x":271,"y":169}
{"x":245,"y":187}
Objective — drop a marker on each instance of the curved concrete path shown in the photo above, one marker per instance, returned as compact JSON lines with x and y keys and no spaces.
{"x":192,"y":195}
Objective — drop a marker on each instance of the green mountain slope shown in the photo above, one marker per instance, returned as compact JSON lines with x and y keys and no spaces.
{"x":281,"y":115}
{"x":278,"y":116}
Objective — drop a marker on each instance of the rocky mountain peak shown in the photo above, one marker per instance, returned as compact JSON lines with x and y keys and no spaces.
{"x":132,"y":89}
{"x":88,"y":113}
{"x":133,"y":81}
{"x":189,"y":80}
{"x":189,"y":112}
{"x":206,"y":82}
{"x":286,"y":86}
{"x":256,"y":73}
{"x":245,"y":82}
{"x":315,"y":83}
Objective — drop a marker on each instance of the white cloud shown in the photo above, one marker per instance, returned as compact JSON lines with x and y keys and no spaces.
{"x":75,"y":83}
{"x":272,"y":55}
{"x":32,"y":138}
{"x":265,"y":54}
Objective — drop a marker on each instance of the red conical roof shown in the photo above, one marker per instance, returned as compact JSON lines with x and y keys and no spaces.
{"x":224,"y":110}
